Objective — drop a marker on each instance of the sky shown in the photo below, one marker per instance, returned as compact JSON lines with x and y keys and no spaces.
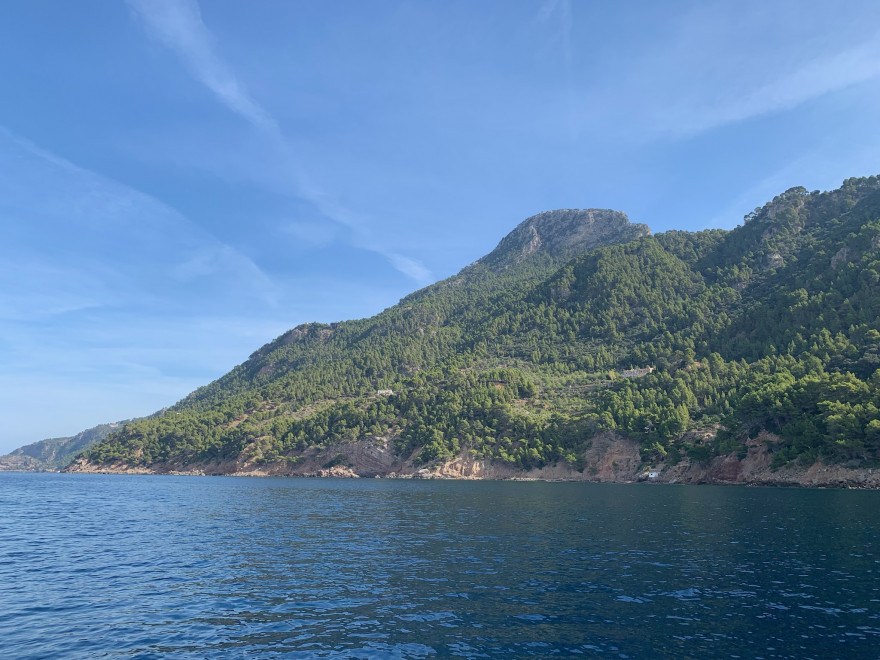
{"x":182,"y":181}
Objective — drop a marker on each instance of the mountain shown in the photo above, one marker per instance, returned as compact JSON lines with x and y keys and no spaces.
{"x":581,"y":347}
{"x":563,"y":234}
{"x":54,"y":453}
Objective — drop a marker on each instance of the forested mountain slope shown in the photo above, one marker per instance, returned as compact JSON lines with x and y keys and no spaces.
{"x":579,"y":323}
{"x":54,"y":453}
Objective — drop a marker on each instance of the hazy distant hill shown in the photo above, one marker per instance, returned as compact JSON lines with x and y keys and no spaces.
{"x":758,"y":344}
{"x":55,"y":453}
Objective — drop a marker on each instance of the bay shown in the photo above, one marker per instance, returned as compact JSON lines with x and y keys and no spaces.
{"x":116,"y":566}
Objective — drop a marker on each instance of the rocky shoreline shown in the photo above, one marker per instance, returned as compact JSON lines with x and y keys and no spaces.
{"x":610,"y":459}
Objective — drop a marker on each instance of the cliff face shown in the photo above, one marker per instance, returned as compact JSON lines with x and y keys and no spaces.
{"x":610,"y":458}
{"x":563,"y":234}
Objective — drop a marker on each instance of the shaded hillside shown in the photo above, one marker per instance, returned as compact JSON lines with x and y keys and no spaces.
{"x":691,"y":344}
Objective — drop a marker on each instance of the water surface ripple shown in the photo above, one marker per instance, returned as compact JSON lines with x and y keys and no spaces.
{"x":152,"y":567}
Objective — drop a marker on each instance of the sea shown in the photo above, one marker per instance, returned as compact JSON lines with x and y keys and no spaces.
{"x":125,"y":566}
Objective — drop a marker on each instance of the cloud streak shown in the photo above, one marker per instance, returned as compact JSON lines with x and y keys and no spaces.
{"x":814,"y":78}
{"x":718,"y":65}
{"x":87,"y":225}
{"x":178,"y":25}
{"x":811,"y":80}
{"x":112,"y":303}
{"x":730,"y":100}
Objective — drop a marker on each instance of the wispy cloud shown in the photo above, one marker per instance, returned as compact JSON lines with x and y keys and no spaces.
{"x":720,"y":64}
{"x":37,"y":288}
{"x":812,"y":79}
{"x":112,"y":303}
{"x":701,"y":108}
{"x":407,"y":266}
{"x":311,"y":234}
{"x":178,"y":25}
{"x":87,"y":227}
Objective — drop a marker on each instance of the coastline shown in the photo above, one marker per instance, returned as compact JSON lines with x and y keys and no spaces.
{"x":611,"y":458}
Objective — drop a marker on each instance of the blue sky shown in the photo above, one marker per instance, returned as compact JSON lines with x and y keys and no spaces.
{"x":181,"y":182}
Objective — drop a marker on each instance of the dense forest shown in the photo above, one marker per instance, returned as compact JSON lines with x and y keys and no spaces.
{"x":580,"y":322}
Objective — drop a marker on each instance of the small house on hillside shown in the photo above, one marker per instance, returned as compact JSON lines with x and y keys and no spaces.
{"x":385,"y":392}
{"x":636,"y":373}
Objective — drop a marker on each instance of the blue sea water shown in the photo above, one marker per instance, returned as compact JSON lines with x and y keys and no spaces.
{"x":95,"y":566}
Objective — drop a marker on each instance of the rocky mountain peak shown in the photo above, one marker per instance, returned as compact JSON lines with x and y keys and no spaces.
{"x":563,"y":234}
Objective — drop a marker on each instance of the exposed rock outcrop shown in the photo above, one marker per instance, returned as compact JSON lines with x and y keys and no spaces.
{"x":563,"y":234}
{"x":609,"y":458}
